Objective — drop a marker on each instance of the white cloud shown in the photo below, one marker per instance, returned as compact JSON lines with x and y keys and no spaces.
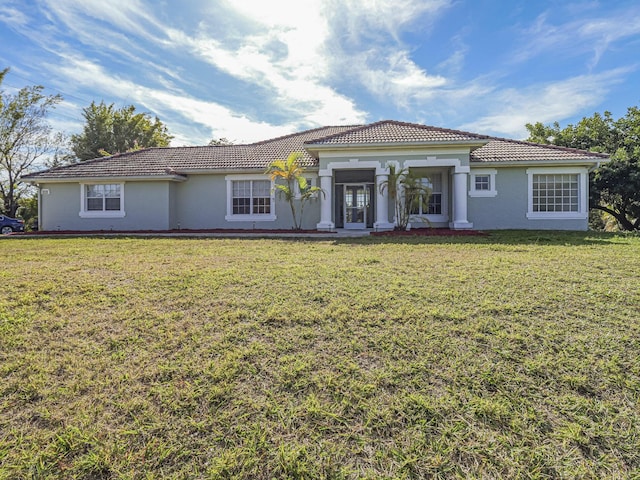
{"x":112,"y":28}
{"x":304,"y":63}
{"x":362,"y":20}
{"x":366,"y":48}
{"x":282,"y":48}
{"x":12,"y":16}
{"x":511,"y":109}
{"x":579,"y":36}
{"x":397,"y":77}
{"x":131,"y":16}
{"x":455,"y":62}
{"x":606,"y":31}
{"x":296,"y":51}
{"x":177,"y":110}
{"x":281,"y":54}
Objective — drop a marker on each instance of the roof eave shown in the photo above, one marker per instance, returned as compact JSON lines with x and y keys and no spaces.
{"x":106,"y":178}
{"x":588,"y":162}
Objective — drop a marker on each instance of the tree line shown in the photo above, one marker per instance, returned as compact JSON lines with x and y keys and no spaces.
{"x":27,"y":142}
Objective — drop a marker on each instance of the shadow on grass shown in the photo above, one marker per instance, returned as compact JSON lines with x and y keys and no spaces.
{"x":489,"y":237}
{"x":504,"y":237}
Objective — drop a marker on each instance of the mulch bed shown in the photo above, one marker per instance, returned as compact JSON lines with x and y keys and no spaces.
{"x":164,"y":232}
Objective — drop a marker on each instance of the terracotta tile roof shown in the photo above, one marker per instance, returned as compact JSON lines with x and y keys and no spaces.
{"x":179,"y":161}
{"x":268,"y":150}
{"x":505,"y":150}
{"x":392,"y":132}
{"x":158,"y":162}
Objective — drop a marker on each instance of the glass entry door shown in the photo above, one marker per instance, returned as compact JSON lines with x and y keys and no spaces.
{"x":356,"y":203}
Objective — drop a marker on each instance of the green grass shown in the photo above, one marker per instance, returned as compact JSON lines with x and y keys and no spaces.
{"x":515,"y":355}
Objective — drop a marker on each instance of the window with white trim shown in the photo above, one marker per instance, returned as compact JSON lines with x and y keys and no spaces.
{"x":559,"y":193}
{"x":103,"y":197}
{"x":102,"y":200}
{"x":434,"y":205}
{"x":483,"y":182}
{"x":250,"y":198}
{"x":555,"y":193}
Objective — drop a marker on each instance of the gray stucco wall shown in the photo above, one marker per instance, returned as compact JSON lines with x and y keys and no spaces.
{"x":201,"y":202}
{"x":198,"y":203}
{"x":173,"y":221}
{"x":508,"y":209}
{"x":146,"y":206}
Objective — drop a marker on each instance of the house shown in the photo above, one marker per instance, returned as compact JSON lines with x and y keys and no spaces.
{"x":477,"y":182}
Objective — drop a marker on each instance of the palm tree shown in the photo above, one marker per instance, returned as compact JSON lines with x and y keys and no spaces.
{"x":407,"y":191}
{"x":295,"y":188}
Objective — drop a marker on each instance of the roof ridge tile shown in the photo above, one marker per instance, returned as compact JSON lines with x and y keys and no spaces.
{"x":295,"y":134}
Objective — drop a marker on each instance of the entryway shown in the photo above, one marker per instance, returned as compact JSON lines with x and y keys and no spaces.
{"x":354,"y":199}
{"x":356,"y":203}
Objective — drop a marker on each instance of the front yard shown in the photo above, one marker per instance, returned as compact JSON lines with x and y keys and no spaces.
{"x":512,"y":355}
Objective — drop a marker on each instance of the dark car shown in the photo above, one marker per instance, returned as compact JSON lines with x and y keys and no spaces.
{"x":10,"y":225}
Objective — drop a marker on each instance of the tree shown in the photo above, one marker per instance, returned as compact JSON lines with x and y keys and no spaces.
{"x":295,"y":189}
{"x":406,"y":190}
{"x":220,"y":142}
{"x":596,"y":134}
{"x":28,"y":211}
{"x":25,"y":138}
{"x":615,"y":185}
{"x":108,"y":131}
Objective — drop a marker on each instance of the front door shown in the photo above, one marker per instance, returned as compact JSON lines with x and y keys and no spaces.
{"x":356,"y":203}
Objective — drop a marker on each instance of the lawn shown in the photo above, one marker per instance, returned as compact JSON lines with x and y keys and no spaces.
{"x":514,"y":355}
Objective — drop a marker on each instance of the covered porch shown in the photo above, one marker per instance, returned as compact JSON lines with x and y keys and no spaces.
{"x":355,"y":198}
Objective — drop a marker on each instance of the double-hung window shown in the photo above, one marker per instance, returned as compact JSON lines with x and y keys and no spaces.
{"x":250,"y":198}
{"x":102,"y":200}
{"x":557,"y":193}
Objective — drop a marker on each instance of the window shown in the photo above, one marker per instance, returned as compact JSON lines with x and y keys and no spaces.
{"x":434,"y":206}
{"x":557,"y":194}
{"x":102,"y":200}
{"x":250,"y":198}
{"x":483,"y":182}
{"x":103,"y":197}
{"x":310,"y":183}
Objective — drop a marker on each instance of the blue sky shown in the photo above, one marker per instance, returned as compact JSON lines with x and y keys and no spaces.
{"x":256,"y":69}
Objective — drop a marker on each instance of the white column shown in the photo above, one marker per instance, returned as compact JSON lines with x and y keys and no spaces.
{"x":460,"y":182}
{"x":326,"y":201}
{"x":382,"y":205}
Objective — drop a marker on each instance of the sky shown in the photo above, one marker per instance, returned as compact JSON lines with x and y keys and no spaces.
{"x":249,"y":70}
